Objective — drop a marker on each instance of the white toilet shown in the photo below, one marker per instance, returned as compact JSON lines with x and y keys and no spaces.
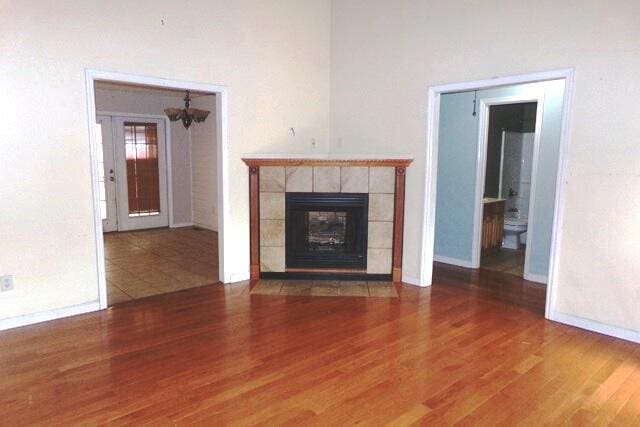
{"x":515,"y":231}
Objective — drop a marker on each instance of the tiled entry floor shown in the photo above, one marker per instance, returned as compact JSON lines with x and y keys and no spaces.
{"x":325,"y":288}
{"x":150,"y":262}
{"x":508,"y":261}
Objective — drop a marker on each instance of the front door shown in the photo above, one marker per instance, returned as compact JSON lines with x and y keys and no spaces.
{"x":141,"y":173}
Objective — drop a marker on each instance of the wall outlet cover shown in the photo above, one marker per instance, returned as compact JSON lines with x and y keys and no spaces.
{"x":6,"y":283}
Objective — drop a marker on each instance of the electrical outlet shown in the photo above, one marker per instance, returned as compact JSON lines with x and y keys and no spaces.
{"x":6,"y":283}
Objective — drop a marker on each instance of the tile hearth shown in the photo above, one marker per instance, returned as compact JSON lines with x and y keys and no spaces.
{"x":325,"y":288}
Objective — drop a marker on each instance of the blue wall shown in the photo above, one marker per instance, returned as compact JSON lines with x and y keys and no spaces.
{"x":457,"y":151}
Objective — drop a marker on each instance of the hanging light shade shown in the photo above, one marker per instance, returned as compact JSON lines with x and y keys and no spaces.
{"x":186,"y":114}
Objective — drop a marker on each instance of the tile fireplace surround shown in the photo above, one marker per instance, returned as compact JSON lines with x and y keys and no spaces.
{"x":382,"y":178}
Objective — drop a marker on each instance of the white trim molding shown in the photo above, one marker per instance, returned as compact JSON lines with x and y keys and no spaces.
{"x":592,"y":325}
{"x":453,"y":261}
{"x":44,"y":316}
{"x":538,"y":278}
{"x":431,"y":156}
{"x":481,"y":167}
{"x":222,"y":142}
{"x":181,"y":224}
{"x":411,"y":280}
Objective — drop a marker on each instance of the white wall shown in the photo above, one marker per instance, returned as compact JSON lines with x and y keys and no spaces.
{"x":273,"y":56}
{"x":386,"y":54}
{"x":140,"y":101}
{"x":204,"y":166}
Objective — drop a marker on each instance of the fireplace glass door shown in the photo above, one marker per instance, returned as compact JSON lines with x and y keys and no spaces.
{"x":326,"y":230}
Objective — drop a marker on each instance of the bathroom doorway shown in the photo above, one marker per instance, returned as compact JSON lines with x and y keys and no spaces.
{"x":509,"y":141}
{"x":473,"y":175}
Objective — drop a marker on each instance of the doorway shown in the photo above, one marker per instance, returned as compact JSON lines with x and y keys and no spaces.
{"x":133,"y":172}
{"x":510,"y":144}
{"x":553,"y":176}
{"x":183,"y":236}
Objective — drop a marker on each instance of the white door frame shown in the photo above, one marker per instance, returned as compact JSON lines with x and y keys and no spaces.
{"x":168,"y":143}
{"x":222,"y":142}
{"x":111,"y":222}
{"x":481,"y":167}
{"x":431,"y":160}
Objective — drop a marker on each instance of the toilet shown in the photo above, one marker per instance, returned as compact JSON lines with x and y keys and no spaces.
{"x":515,"y":231}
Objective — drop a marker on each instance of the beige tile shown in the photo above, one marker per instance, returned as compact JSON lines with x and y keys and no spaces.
{"x":272,"y":178}
{"x":354,"y":179}
{"x":325,"y":291}
{"x":299,"y":179}
{"x":326,"y":179}
{"x":379,"y":261}
{"x":296,"y":288}
{"x":271,"y":232}
{"x":382,"y":290}
{"x":267,"y":287}
{"x":271,"y":205}
{"x":382,"y":180}
{"x":380,"y":235}
{"x":381,"y":207}
{"x":354,"y":289}
{"x":115,"y":295}
{"x":272,"y":259}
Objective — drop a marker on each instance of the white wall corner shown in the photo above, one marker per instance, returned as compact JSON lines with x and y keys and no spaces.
{"x":413,"y":281}
{"x":592,"y":325}
{"x":538,"y":278}
{"x":453,"y":261}
{"x":235,"y":277}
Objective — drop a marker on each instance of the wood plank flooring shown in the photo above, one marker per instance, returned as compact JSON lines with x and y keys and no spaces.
{"x":471,"y":350}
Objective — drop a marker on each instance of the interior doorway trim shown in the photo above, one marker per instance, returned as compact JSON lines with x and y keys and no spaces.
{"x":431,"y":158}
{"x":481,"y":168}
{"x":222,"y":143}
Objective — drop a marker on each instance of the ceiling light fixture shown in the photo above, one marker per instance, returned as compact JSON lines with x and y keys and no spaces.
{"x":186,"y":114}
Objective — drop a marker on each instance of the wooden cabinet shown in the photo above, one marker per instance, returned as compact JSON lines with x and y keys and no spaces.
{"x":492,"y":225}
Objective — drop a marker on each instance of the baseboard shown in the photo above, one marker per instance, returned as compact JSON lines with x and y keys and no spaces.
{"x":591,"y":325}
{"x":205,"y":226}
{"x":453,"y":261}
{"x":538,"y":278}
{"x":181,"y":224}
{"x":237,"y":277}
{"x":412,"y":281}
{"x":44,"y":316}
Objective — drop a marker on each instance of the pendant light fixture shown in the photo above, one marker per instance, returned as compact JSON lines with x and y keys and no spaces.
{"x":186,"y":114}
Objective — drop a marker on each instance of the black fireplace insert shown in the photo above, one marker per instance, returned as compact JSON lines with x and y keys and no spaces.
{"x":326,"y":230}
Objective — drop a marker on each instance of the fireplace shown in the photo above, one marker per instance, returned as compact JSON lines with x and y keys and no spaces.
{"x":326,"y":230}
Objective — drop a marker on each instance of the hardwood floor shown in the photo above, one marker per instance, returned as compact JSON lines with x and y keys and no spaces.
{"x":471,"y":350}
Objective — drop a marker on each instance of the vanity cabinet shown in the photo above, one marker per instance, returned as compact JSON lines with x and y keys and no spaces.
{"x":492,"y":225}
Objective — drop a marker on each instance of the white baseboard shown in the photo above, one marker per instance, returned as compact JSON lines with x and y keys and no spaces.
{"x":181,"y":224}
{"x":237,"y":277}
{"x":591,"y":325}
{"x":538,"y":278}
{"x":453,"y":261}
{"x":412,"y":281}
{"x":29,"y":319}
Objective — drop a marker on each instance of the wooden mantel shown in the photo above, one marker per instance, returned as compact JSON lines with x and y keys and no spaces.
{"x":328,"y":161}
{"x":399,"y":162}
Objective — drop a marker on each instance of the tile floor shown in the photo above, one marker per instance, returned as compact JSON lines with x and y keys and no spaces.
{"x":325,"y":288}
{"x":508,"y":261}
{"x":150,"y":262}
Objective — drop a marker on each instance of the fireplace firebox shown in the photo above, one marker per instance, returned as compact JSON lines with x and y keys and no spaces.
{"x":326,"y":230}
